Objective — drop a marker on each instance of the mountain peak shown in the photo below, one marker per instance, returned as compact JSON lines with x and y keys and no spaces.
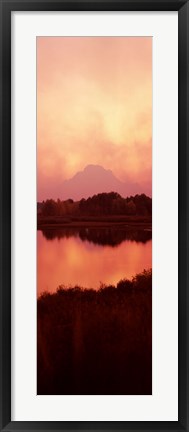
{"x":95,"y":168}
{"x":92,"y":180}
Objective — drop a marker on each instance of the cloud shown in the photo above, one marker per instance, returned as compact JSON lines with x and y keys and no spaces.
{"x":94,"y":105}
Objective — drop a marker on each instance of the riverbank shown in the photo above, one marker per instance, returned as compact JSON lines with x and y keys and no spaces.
{"x":129,"y":222}
{"x":96,"y":342}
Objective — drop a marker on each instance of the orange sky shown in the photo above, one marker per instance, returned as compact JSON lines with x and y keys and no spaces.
{"x":94,"y":106}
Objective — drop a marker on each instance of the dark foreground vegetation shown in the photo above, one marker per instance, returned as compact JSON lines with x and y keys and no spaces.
{"x":96,"y":342}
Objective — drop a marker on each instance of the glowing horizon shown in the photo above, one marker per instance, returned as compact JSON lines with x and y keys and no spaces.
{"x":94,"y":106}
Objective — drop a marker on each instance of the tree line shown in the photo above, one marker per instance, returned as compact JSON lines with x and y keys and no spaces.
{"x":101,"y":204}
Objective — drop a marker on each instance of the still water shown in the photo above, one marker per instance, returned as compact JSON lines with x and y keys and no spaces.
{"x":89,"y":257}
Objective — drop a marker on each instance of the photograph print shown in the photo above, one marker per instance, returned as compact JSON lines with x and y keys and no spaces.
{"x":94,"y":216}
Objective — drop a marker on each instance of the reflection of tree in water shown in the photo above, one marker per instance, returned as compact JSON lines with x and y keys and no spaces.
{"x":109,"y":236}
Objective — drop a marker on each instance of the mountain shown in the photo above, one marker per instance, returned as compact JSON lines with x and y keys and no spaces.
{"x":95,"y":179}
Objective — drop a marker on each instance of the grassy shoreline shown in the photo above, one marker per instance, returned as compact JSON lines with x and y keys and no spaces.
{"x":96,"y":342}
{"x":129,"y":222}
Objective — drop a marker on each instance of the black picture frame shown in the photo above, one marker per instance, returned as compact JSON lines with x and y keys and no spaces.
{"x":6,"y":7}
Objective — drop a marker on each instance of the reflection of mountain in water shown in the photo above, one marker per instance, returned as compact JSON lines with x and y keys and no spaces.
{"x":109,"y":236}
